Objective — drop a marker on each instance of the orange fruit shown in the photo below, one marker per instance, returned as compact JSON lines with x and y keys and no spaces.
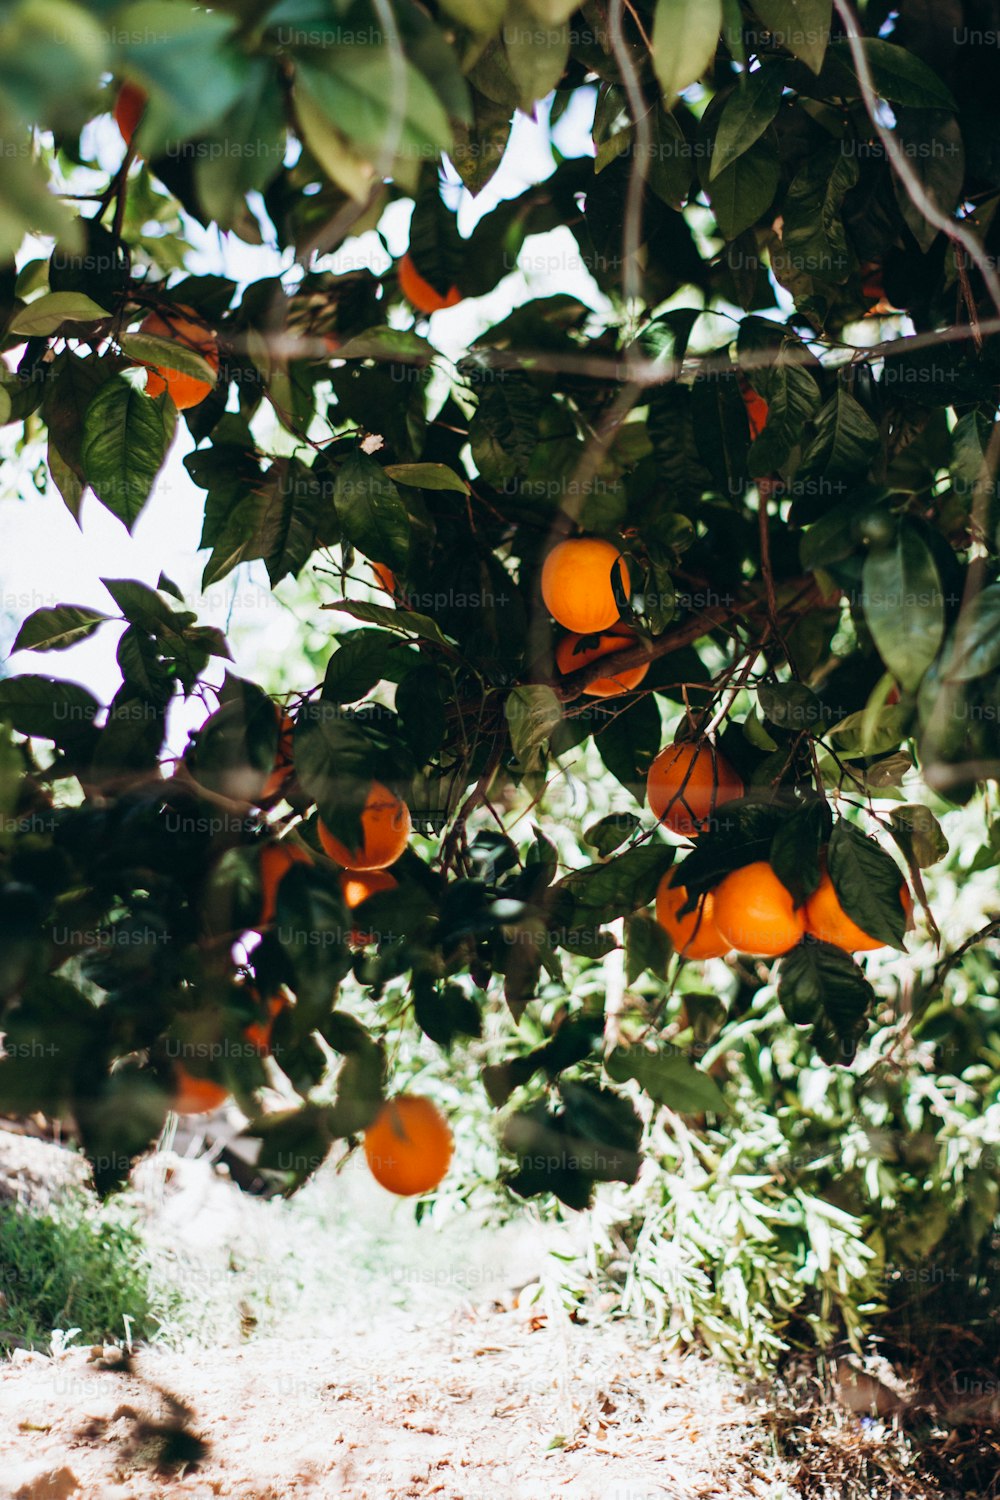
{"x":408,"y":1145}
{"x":258,"y":1033}
{"x":686,"y":783}
{"x":826,"y":918}
{"x":385,"y":576}
{"x":417,"y":290}
{"x":385,"y":826}
{"x":130,"y":106}
{"x":576,"y":584}
{"x":275,"y":862}
{"x":195,"y":1096}
{"x":356,"y":887}
{"x":181,"y":325}
{"x":756,"y":408}
{"x":283,"y":768}
{"x":755,"y":914}
{"x":694,"y":935}
{"x":570,"y":657}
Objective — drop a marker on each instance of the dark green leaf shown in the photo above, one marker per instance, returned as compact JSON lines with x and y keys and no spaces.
{"x":668,"y":1078}
{"x":867,"y":882}
{"x":609,"y":833}
{"x":903,"y":605}
{"x":748,"y":112}
{"x":803,"y":26}
{"x":371,"y":511}
{"x":125,"y":440}
{"x":55,"y":629}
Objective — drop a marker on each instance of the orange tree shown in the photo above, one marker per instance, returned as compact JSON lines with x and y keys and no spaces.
{"x":787,"y":515}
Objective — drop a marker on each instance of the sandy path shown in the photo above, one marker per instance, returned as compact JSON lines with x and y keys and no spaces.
{"x":480,"y":1406}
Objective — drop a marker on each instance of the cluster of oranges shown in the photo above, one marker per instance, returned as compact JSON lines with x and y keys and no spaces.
{"x":750,"y":910}
{"x":579,"y":594}
{"x":408,"y":1146}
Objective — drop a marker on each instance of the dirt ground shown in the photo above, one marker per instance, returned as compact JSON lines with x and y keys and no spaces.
{"x":484,"y":1405}
{"x":332,"y":1346}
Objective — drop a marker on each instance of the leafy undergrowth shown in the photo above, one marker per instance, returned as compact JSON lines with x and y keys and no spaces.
{"x":78,"y":1271}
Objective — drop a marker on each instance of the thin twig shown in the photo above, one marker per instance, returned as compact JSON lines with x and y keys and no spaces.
{"x":632,"y":229}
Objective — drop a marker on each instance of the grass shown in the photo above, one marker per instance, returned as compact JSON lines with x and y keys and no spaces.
{"x":77,"y":1271}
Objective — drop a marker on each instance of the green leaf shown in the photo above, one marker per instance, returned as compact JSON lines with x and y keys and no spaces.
{"x":371,"y":511}
{"x":170,"y":354}
{"x":70,"y":487}
{"x":744,"y":191}
{"x":647,"y":946}
{"x":803,"y":26}
{"x":532,"y":712}
{"x":536,"y":55}
{"x":55,"y":629}
{"x":629,"y":741}
{"x":668,"y":1078}
{"x":628,"y":881}
{"x":179,"y":54}
{"x":609,"y":833}
{"x":973,"y":648}
{"x":503,"y":432}
{"x":748,"y":112}
{"x":358,"y":663}
{"x":867,"y":882}
{"x":47,"y":314}
{"x":44,"y":708}
{"x":407,"y":622}
{"x":898,"y":75}
{"x":444,"y":1012}
{"x":478,"y":15}
{"x":792,"y":397}
{"x":347,"y":168}
{"x":903,"y":605}
{"x":822,"y":986}
{"x":843,"y":447}
{"x":935,"y":151}
{"x":400,"y":345}
{"x":970,"y":470}
{"x":478,"y":148}
{"x":71,"y":388}
{"x":795,"y":848}
{"x":428,"y":477}
{"x":125,"y":440}
{"x":791,"y":705}
{"x":919,"y":834}
{"x":685,"y":37}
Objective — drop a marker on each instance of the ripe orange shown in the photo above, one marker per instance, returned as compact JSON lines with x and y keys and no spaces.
{"x":182,"y":326}
{"x":694,"y":935}
{"x":386,"y":828}
{"x":756,"y":408}
{"x":258,"y":1033}
{"x":130,"y":105}
{"x":576,"y":584}
{"x":195,"y":1096}
{"x":686,"y":783}
{"x":570,"y":659}
{"x":283,"y":768}
{"x":755,"y":914}
{"x":416,"y":289}
{"x":357,"y":886}
{"x":826,"y":919}
{"x":275,"y":862}
{"x":408,"y":1146}
{"x":385,"y":576}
